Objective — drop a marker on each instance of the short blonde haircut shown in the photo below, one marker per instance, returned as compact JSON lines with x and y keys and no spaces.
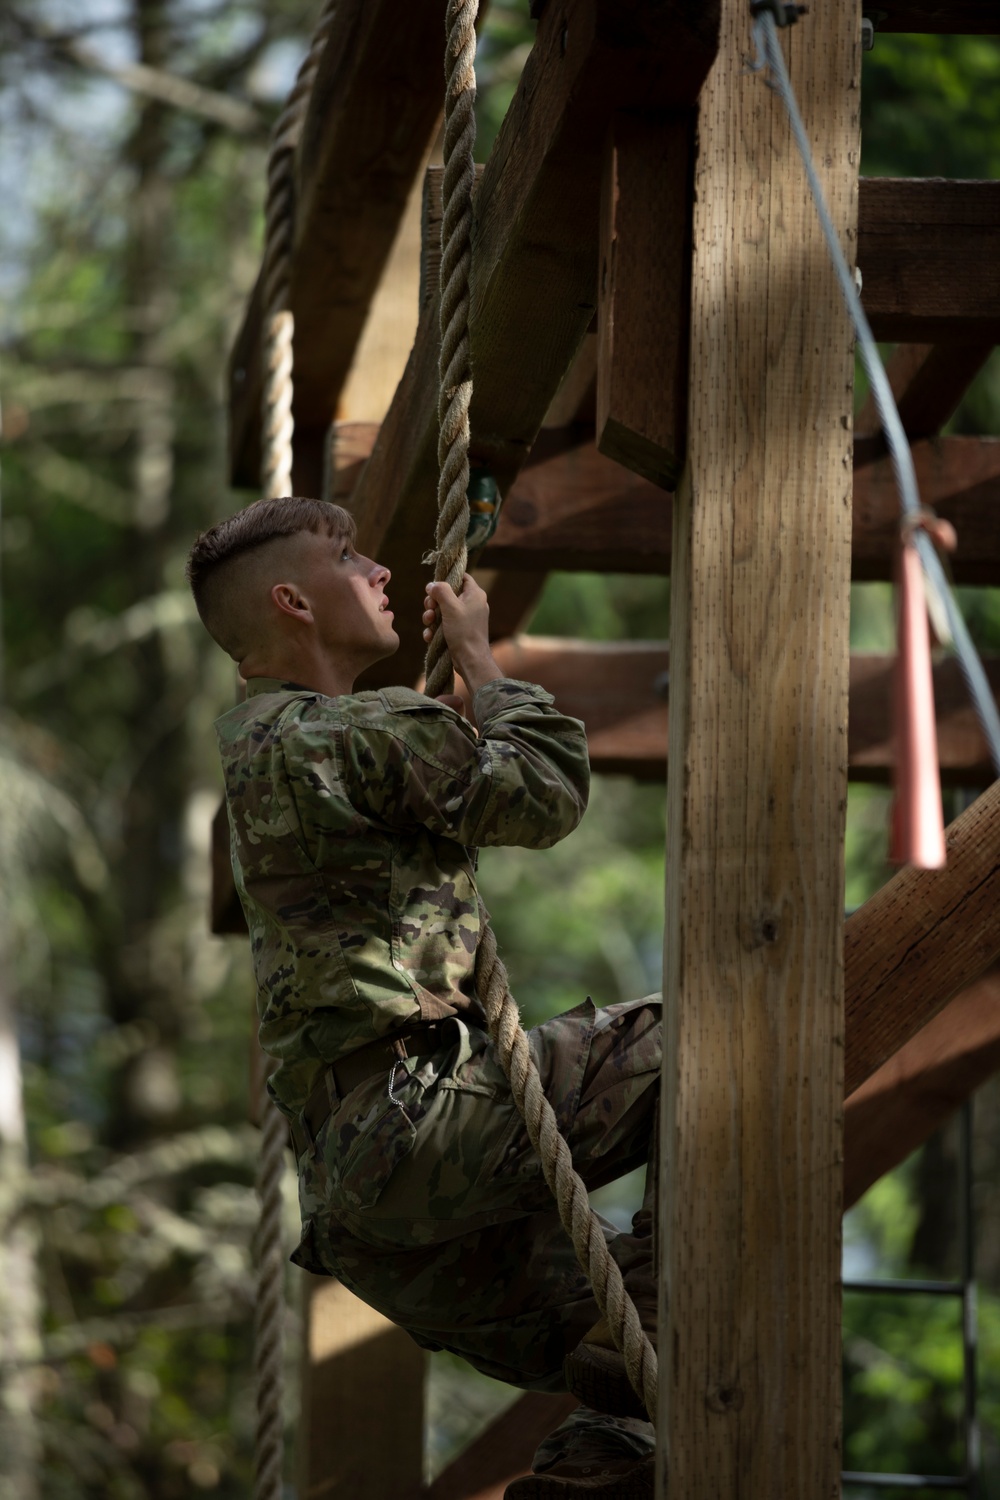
{"x":211,"y":559}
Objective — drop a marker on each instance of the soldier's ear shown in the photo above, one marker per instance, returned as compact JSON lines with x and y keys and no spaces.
{"x":289,"y":598}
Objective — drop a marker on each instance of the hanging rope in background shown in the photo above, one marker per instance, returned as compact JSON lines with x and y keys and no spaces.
{"x":941,"y":599}
{"x":450,"y":559}
{"x":276,"y":481}
{"x":279,"y":219}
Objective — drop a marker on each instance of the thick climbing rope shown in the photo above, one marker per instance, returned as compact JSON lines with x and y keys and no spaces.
{"x":276,"y":479}
{"x":279,"y":219}
{"x":450,"y":560}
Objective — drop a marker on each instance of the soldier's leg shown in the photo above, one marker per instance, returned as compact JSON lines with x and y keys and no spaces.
{"x":593,"y":1455}
{"x":434,"y":1207}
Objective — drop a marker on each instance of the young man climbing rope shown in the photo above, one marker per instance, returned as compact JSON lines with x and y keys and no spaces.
{"x":354,"y":819}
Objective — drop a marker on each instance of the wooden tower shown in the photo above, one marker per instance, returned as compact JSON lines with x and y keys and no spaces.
{"x":663,"y":384}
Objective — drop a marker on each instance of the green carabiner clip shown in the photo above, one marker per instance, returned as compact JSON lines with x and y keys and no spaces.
{"x":484,"y":508}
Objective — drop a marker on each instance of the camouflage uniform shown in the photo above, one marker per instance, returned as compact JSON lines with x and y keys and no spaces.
{"x":353,"y":821}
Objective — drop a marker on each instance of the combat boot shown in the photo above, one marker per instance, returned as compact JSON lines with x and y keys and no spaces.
{"x":595,"y":1371}
{"x":594,"y":1456}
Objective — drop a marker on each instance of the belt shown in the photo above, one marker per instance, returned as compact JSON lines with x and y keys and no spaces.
{"x":419,"y":1039}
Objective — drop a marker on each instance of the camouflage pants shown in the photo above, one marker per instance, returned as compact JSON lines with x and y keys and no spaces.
{"x":424,"y":1196}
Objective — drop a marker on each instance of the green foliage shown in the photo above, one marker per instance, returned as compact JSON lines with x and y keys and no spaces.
{"x":930,"y":107}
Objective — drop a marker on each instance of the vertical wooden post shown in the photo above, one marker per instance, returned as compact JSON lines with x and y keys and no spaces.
{"x":362,"y":1427}
{"x":750,"y":1201}
{"x":642,"y":335}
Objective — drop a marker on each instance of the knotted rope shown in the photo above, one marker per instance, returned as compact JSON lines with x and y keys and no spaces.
{"x":276,"y":479}
{"x":450,"y":559}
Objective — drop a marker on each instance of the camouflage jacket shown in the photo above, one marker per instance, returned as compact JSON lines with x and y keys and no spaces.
{"x":353,"y":822}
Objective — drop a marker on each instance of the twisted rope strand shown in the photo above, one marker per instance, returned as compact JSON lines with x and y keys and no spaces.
{"x":269,"y":1312}
{"x":277,"y":424}
{"x":450,"y":556}
{"x":276,"y":479}
{"x":450,"y":560}
{"x":567,"y":1187}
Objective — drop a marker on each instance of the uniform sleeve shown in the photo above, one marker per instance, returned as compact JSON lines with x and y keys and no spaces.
{"x":524,"y":780}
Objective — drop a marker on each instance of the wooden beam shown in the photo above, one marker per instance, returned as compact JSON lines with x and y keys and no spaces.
{"x":534,"y":268}
{"x":928,"y":252}
{"x":918,"y":1090}
{"x":752,"y":1092}
{"x":354,"y":1363}
{"x":373,"y":113}
{"x":963,"y":752}
{"x":643,"y":295}
{"x":923,"y":937}
{"x":619,"y":689}
{"x":502,"y":1453}
{"x":928,"y":381}
{"x":959,"y":477}
{"x":512,"y":596}
{"x":571,"y":508}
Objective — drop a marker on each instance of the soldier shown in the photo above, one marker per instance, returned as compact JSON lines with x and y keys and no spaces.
{"x":354,"y":820}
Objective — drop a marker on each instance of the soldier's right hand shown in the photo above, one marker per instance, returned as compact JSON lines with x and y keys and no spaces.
{"x":465,"y":620}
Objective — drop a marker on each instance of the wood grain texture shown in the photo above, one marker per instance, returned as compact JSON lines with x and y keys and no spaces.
{"x":373,"y":114}
{"x":572,"y":509}
{"x":963,"y":753}
{"x":643,"y":294}
{"x":534,"y":273}
{"x":929,"y":255}
{"x":620,"y":691}
{"x":923,"y":937}
{"x":751,"y":1181}
{"x":918,"y":1090}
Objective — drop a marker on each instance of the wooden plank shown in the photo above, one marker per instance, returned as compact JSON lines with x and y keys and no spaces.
{"x":618,"y":689}
{"x":512,"y":596}
{"x":958,"y":477}
{"x":571,"y":508}
{"x":390,"y":326}
{"x":923,"y":937}
{"x":928,"y":381}
{"x":918,"y":1090}
{"x":357,"y":1366}
{"x":929,"y":255}
{"x":502,"y":1453}
{"x":534,"y":271}
{"x":751,"y":1181}
{"x":963,"y":752}
{"x":642,"y":322}
{"x":348,"y":448}
{"x":374,"y":111}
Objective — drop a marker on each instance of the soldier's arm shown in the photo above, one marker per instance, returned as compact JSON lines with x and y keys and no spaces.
{"x":523,"y":780}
